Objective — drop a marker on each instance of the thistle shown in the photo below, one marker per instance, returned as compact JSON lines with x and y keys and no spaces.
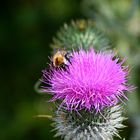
{"x":89,"y":82}
{"x":80,"y":33}
{"x":92,"y":80}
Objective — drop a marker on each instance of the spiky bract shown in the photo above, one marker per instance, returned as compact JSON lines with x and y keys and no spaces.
{"x":80,"y":33}
{"x":89,"y":125}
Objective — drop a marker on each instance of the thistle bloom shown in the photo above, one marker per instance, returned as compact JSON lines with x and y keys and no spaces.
{"x":92,"y":80}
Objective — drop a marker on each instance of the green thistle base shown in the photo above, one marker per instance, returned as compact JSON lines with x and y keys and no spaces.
{"x":87,"y":125}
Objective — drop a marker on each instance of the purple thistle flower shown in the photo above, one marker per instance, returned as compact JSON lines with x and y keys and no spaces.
{"x":92,"y":80}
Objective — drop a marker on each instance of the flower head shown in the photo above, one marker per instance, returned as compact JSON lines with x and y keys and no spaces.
{"x":91,"y":80}
{"x":80,"y":32}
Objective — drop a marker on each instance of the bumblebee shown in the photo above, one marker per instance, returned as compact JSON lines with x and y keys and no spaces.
{"x":61,"y":58}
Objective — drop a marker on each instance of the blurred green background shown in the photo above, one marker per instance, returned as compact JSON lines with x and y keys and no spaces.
{"x":26,"y":31}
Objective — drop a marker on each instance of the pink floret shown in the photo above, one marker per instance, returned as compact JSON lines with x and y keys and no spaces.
{"x":91,"y":80}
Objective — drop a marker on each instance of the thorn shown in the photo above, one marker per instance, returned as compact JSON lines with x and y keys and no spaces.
{"x":43,"y":116}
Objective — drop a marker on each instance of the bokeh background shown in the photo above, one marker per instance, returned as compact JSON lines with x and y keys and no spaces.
{"x":26,"y":31}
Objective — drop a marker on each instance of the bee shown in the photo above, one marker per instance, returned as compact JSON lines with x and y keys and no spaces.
{"x":61,"y":58}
